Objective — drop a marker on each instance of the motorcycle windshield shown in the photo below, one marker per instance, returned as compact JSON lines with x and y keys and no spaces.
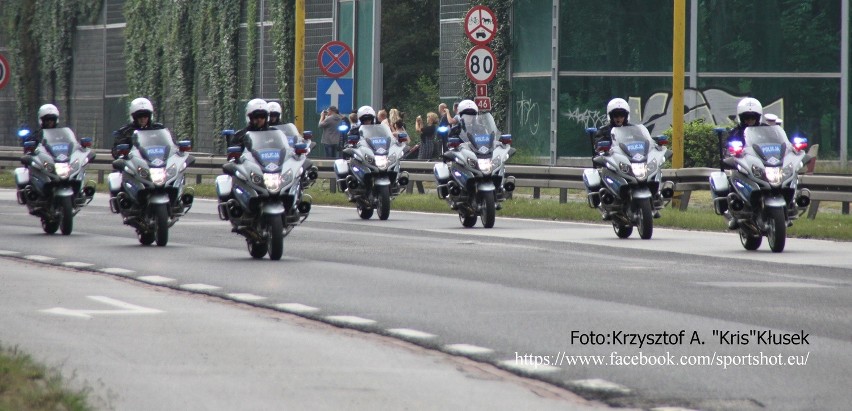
{"x":291,"y":132}
{"x":769,"y":142}
{"x":155,"y":146}
{"x":378,"y":137}
{"x":59,"y":142}
{"x":480,"y":131}
{"x":268,"y":148}
{"x":634,"y":141}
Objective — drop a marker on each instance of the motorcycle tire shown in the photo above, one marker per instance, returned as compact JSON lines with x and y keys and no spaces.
{"x":777,"y":234}
{"x":384,"y":202}
{"x":161,"y":224}
{"x":622,"y":231}
{"x":146,"y":238}
{"x":488,"y":209}
{"x":276,"y":237}
{"x":646,"y":219}
{"x":750,"y":242}
{"x":467,"y":221}
{"x":256,"y":250}
{"x":364,"y":212}
{"x":48,"y":226}
{"x":66,"y":223}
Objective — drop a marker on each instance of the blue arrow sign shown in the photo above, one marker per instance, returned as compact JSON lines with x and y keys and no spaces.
{"x":334,"y":92}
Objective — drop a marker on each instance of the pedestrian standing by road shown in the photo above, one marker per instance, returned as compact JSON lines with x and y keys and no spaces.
{"x":329,"y":120}
{"x":427,"y":135}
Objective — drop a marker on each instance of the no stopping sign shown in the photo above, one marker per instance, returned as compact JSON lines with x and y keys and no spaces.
{"x":5,"y":72}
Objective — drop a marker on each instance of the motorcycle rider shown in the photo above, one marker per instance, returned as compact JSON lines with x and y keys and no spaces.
{"x":618,"y":112}
{"x":749,"y":114}
{"x":48,"y":116}
{"x":464,"y":107}
{"x":274,"y":114}
{"x":141,"y":112}
{"x":257,"y":112}
{"x":366,"y":115}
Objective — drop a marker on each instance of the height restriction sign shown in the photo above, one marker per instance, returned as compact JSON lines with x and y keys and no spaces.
{"x":480,"y":25}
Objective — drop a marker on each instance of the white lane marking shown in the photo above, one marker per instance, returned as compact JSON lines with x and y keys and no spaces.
{"x":41,"y":258}
{"x":156,"y":279}
{"x":409,"y":333}
{"x":246,"y":297}
{"x":763,"y":284}
{"x":467,"y":349}
{"x":125,"y":308}
{"x":7,"y":252}
{"x":114,"y":270}
{"x":597,"y":384}
{"x":527,"y":367}
{"x":296,"y":308}
{"x":76,"y":264}
{"x":349,"y":320}
{"x":199,"y":287}
{"x":672,"y":409}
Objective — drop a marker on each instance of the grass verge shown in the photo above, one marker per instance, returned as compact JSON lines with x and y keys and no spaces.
{"x":26,"y":385}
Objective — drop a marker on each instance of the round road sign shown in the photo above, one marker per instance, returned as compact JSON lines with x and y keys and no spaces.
{"x":480,"y":64}
{"x":335,"y":58}
{"x":480,"y":25}
{"x":5,"y":72}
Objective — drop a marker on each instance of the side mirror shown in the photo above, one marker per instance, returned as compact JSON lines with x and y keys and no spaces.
{"x":402,"y":137}
{"x":29,"y":146}
{"x":26,"y":160}
{"x":234,"y":153}
{"x":506,"y":139}
{"x":729,"y":163}
{"x":349,"y":151}
{"x":603,"y":146}
{"x":301,"y":148}
{"x":86,"y":142}
{"x":119,"y":164}
{"x":661,"y":140}
{"x":454,"y":142}
{"x":184,"y":146}
{"x":308,"y":134}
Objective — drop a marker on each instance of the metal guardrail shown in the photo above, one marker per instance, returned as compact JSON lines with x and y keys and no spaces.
{"x":833,"y":188}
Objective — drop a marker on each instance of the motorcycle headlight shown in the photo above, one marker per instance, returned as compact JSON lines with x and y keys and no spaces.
{"x":381,"y":162}
{"x":158,"y":176}
{"x":63,"y":170}
{"x":272,"y":181}
{"x":484,"y":165}
{"x":640,"y":170}
{"x":773,"y":175}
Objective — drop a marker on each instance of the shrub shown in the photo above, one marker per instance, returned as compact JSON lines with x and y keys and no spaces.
{"x":700,"y":144}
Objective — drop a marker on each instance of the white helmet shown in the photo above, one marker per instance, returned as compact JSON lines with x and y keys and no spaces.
{"x":258,"y":106}
{"x":274,"y":107}
{"x":618,"y":104}
{"x":749,"y":105}
{"x":365,"y":111}
{"x":48,"y":110}
{"x":141,"y":105}
{"x":467,"y":107}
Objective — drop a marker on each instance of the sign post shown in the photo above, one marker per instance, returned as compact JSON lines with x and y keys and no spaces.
{"x":335,"y":59}
{"x":480,"y":26}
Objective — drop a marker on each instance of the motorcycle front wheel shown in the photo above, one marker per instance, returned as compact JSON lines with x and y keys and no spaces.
{"x":276,"y":237}
{"x":161,"y":224}
{"x":66,"y":223}
{"x":488,"y":209}
{"x":777,"y":234}
{"x":646,"y":218}
{"x":384,"y":202}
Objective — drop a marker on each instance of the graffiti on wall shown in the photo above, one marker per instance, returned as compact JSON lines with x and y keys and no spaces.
{"x":714,"y":106}
{"x":528,"y":114}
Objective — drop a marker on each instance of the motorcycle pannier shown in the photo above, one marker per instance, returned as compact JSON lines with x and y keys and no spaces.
{"x":442,"y":173}
{"x":592,"y":180}
{"x":22,"y":176}
{"x":341,"y":168}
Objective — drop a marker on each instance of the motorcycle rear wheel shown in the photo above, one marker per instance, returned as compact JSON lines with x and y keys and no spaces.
{"x":364,"y":212}
{"x":384,"y":202}
{"x":48,"y":226}
{"x":750,"y":242}
{"x":467,"y":221}
{"x":488,"y":210}
{"x":276,"y":237}
{"x":66,"y":224}
{"x":161,"y":224}
{"x":777,"y":234}
{"x":622,"y":231}
{"x":646,"y":219}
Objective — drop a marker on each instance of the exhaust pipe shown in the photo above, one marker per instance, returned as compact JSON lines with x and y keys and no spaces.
{"x":89,"y":191}
{"x":509,"y":185}
{"x":304,"y":207}
{"x":187,"y":199}
{"x":667,"y":192}
{"x":313,"y":173}
{"x":403,"y":179}
{"x":735,"y":203}
{"x":803,"y":200}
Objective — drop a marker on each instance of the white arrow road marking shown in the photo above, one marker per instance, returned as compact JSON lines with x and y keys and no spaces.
{"x":125,"y":308}
{"x":334,"y":91}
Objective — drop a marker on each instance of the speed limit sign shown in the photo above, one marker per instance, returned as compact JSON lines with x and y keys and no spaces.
{"x":480,"y":64}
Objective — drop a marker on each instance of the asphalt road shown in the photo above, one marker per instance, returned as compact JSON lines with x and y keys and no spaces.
{"x":524,"y":294}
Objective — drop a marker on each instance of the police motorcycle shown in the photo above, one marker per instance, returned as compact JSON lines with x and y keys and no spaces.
{"x":762,"y":194}
{"x":371,"y":177}
{"x":628,"y":187}
{"x":262,"y":190}
{"x":149,"y":186}
{"x":52,"y":183}
{"x":475,"y":182}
